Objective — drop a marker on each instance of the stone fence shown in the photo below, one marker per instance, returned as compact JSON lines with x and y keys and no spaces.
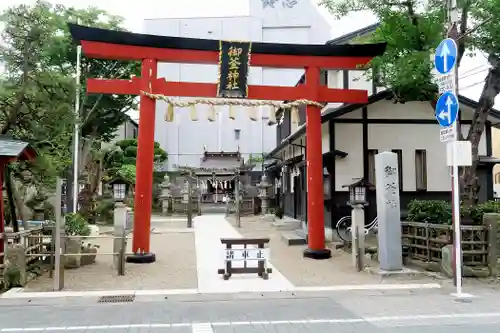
{"x":429,"y":245}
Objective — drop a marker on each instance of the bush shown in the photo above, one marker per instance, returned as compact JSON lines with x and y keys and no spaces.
{"x":76,"y":225}
{"x":439,"y":211}
{"x":105,"y":209}
{"x":432,"y":211}
{"x":476,"y":213}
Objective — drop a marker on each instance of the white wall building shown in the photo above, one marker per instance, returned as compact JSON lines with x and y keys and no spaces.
{"x":354,"y":134}
{"x":287,"y":21}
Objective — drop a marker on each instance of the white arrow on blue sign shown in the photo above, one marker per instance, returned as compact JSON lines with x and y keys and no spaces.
{"x":445,"y":56}
{"x":447,"y":109}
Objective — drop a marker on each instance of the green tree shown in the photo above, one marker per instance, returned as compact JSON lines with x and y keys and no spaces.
{"x":37,"y":88}
{"x":128,"y":148}
{"x":412,"y":30}
{"x":33,"y":100}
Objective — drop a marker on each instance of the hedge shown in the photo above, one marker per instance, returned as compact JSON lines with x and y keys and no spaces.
{"x":439,"y":211}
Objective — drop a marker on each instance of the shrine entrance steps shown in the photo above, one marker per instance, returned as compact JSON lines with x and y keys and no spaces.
{"x":209,"y":229}
{"x":213,"y":208}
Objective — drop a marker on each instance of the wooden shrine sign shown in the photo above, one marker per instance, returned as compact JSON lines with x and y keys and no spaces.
{"x":253,"y":251}
{"x":234,"y":58}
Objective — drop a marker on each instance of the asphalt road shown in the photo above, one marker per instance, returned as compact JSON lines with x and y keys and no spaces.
{"x":359,"y":312}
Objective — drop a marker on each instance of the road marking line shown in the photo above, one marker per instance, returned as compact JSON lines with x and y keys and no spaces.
{"x":207,"y":327}
{"x":407,"y":286}
{"x":202,"y":328}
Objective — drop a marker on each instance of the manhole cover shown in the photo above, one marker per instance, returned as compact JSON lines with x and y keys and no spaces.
{"x":117,"y":299}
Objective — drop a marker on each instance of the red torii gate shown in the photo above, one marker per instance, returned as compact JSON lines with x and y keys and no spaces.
{"x":151,"y":49}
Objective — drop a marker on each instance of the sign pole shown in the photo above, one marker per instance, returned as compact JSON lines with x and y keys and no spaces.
{"x":457,"y":241}
{"x":447,"y":110}
{"x":456,"y":218}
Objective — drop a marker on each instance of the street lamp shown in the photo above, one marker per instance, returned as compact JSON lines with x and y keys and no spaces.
{"x":358,"y":200}
{"x":119,"y":189}
{"x":357,"y":192}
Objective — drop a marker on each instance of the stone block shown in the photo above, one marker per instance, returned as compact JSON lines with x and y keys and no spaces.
{"x":267,"y":218}
{"x":73,"y":247}
{"x":15,"y":265}
{"x":292,"y":238}
{"x":447,"y":265}
{"x":287,"y":224}
{"x":88,"y":259}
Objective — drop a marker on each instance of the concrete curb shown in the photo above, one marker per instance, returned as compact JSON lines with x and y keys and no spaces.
{"x":18,"y":293}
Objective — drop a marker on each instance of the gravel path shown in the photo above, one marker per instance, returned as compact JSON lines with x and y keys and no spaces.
{"x":302,"y":271}
{"x":175,"y":267}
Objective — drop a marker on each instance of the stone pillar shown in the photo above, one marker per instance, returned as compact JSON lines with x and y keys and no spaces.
{"x":358,"y":238}
{"x":492,"y":222}
{"x":119,"y":224}
{"x":388,"y":212}
{"x":15,"y":274}
{"x":264,"y":186}
{"x":165,"y":195}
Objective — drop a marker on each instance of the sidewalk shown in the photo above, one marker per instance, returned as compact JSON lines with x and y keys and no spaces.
{"x":305,"y":272}
{"x":209,"y":229}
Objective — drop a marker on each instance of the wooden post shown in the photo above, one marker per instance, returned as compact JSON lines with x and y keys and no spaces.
{"x":237,"y":199}
{"x":190,"y":202}
{"x":58,"y":248}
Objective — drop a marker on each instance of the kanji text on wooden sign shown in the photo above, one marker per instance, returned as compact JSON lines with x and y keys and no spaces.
{"x":234,"y":60}
{"x":251,"y":252}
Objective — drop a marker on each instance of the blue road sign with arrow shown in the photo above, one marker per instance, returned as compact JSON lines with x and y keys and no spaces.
{"x":445,"y":56}
{"x":447,"y":109}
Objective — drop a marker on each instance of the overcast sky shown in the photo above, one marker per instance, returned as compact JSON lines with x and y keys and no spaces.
{"x":472,"y":71}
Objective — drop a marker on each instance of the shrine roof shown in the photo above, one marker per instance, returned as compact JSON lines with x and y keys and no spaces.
{"x":13,"y":148}
{"x":222,"y":154}
{"x":83,"y":33}
{"x":221,"y":161}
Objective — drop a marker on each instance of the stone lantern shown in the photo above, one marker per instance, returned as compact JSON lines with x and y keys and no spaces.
{"x":263,"y":187}
{"x":166,"y":194}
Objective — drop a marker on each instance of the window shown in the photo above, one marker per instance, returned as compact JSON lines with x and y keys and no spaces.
{"x":421,"y":170}
{"x":323,"y":77}
{"x":399,"y":152}
{"x":134,"y":133}
{"x":237,"y":133}
{"x":371,"y":165}
{"x":326,"y":186}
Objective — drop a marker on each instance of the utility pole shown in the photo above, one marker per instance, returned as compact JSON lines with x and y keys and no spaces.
{"x":453,"y":22}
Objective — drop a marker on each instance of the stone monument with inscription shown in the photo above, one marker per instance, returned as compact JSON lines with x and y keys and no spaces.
{"x":388,"y":211}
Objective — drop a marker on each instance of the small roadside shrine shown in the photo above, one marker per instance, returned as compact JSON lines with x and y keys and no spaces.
{"x":10,"y":150}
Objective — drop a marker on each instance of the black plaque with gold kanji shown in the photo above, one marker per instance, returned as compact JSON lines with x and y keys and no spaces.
{"x":234,"y":58}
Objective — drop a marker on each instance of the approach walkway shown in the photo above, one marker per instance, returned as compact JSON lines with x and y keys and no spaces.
{"x":209,"y":229}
